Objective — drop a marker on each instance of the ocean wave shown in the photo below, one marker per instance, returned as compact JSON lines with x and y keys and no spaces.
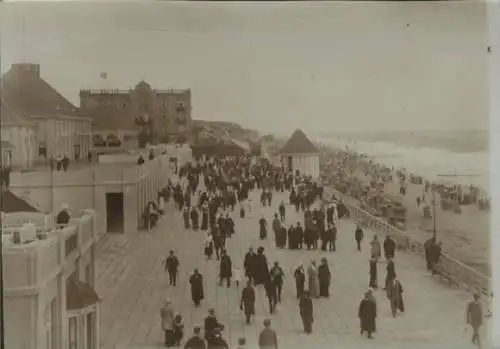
{"x":436,"y":164}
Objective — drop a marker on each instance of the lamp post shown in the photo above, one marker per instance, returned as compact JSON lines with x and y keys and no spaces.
{"x":2,"y":313}
{"x":434,"y":218}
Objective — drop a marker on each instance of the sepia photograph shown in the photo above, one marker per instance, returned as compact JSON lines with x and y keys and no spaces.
{"x":245,"y":175}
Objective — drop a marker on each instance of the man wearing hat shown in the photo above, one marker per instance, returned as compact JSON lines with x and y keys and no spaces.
{"x":268,"y":338}
{"x":195,"y":342}
{"x":474,"y":318}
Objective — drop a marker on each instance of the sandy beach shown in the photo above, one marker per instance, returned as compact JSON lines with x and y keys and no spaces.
{"x":465,"y":236}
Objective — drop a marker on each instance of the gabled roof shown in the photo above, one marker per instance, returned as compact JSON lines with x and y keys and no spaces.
{"x":299,"y":144}
{"x":9,"y":117}
{"x":11,"y":203}
{"x":27,"y":93}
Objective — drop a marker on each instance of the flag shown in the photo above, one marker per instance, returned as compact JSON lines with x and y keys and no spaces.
{"x":104,"y":75}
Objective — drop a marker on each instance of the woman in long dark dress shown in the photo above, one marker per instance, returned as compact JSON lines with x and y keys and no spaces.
{"x":324,"y":279}
{"x":367,"y":314}
{"x":194,"y":218}
{"x":373,"y":274}
{"x":196,"y":281}
{"x":262,"y":228}
{"x":204,"y":216}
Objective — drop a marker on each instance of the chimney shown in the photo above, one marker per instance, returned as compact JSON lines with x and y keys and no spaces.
{"x":27,"y":68}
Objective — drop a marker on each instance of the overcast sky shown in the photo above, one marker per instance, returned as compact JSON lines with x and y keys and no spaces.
{"x":274,"y":67}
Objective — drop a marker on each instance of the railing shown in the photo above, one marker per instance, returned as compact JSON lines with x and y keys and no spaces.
{"x":122,"y":91}
{"x":463,"y":275}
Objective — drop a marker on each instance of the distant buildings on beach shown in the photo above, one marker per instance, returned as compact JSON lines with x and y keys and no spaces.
{"x":37,"y":122}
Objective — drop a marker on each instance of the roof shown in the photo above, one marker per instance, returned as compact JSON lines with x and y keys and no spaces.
{"x":11,"y":118}
{"x":80,"y":295}
{"x":27,"y":93}
{"x":299,"y":144}
{"x":11,"y":203}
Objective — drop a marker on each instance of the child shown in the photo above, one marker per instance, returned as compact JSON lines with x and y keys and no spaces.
{"x":209,"y":246}
{"x":237,"y":276}
{"x":178,"y":330}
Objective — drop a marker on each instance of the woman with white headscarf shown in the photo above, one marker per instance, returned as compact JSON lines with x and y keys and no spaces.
{"x":167,"y":315}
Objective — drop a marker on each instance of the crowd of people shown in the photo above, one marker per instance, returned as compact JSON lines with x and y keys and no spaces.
{"x":208,"y":207}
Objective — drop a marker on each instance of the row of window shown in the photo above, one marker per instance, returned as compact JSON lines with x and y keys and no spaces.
{"x":180,"y":107}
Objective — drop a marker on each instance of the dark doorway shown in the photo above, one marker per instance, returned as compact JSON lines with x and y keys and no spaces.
{"x":290,"y":162}
{"x":114,"y":213}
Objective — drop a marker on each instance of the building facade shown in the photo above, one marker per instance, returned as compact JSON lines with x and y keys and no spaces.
{"x":18,"y":139}
{"x":123,"y":113}
{"x":49,"y":296}
{"x":300,"y":154}
{"x":63,"y":135}
{"x":57,"y":128}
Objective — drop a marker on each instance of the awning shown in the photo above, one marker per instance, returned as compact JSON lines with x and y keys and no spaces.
{"x":7,"y":145}
{"x":80,"y":295}
{"x":11,"y":203}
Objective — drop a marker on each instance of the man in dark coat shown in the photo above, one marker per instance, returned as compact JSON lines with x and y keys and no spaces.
{"x":390,"y":274}
{"x":300,"y":280}
{"x":306,"y":311}
{"x":194,"y":218}
{"x":474,"y":318}
{"x":204,"y":216}
{"x":389,"y":247}
{"x":261,"y":268}
{"x":299,"y":231}
{"x":283,"y":234}
{"x":195,"y":342}
{"x":271,"y":294}
{"x":262,"y":228}
{"x":282,"y":210}
{"x":196,"y":281}
{"x":249,"y":264}
{"x":395,"y":296}
{"x":324,"y":277}
{"x":329,"y":214}
{"x":367,"y":314}
{"x":291,"y":238}
{"x":226,"y":269}
{"x":276,"y":229}
{"x":229,"y":226}
{"x":185,"y":215}
{"x":172,"y":267}
{"x":211,"y":325}
{"x":358,"y":235}
{"x":277,"y":276}
{"x":373,"y":283}
{"x":247,"y":303}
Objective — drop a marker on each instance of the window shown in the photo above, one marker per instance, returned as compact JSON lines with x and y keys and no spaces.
{"x":91,"y":330}
{"x":42,"y":149}
{"x":73,"y":332}
{"x":88,"y":275}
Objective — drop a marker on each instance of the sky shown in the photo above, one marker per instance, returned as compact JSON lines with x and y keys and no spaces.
{"x":274,"y":67}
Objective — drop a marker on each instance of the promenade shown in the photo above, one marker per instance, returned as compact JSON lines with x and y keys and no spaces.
{"x":133,"y":285}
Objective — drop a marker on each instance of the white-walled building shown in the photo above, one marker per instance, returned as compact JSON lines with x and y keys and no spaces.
{"x":49,"y":296}
{"x":300,"y":154}
{"x":52,"y":126}
{"x":18,"y":138}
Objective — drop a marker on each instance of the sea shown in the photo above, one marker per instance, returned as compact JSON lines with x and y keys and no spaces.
{"x":437,"y":165}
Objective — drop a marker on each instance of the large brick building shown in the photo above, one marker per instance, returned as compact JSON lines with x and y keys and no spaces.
{"x":115,"y":113}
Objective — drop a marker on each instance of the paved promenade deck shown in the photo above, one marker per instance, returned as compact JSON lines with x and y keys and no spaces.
{"x":133,"y":285}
